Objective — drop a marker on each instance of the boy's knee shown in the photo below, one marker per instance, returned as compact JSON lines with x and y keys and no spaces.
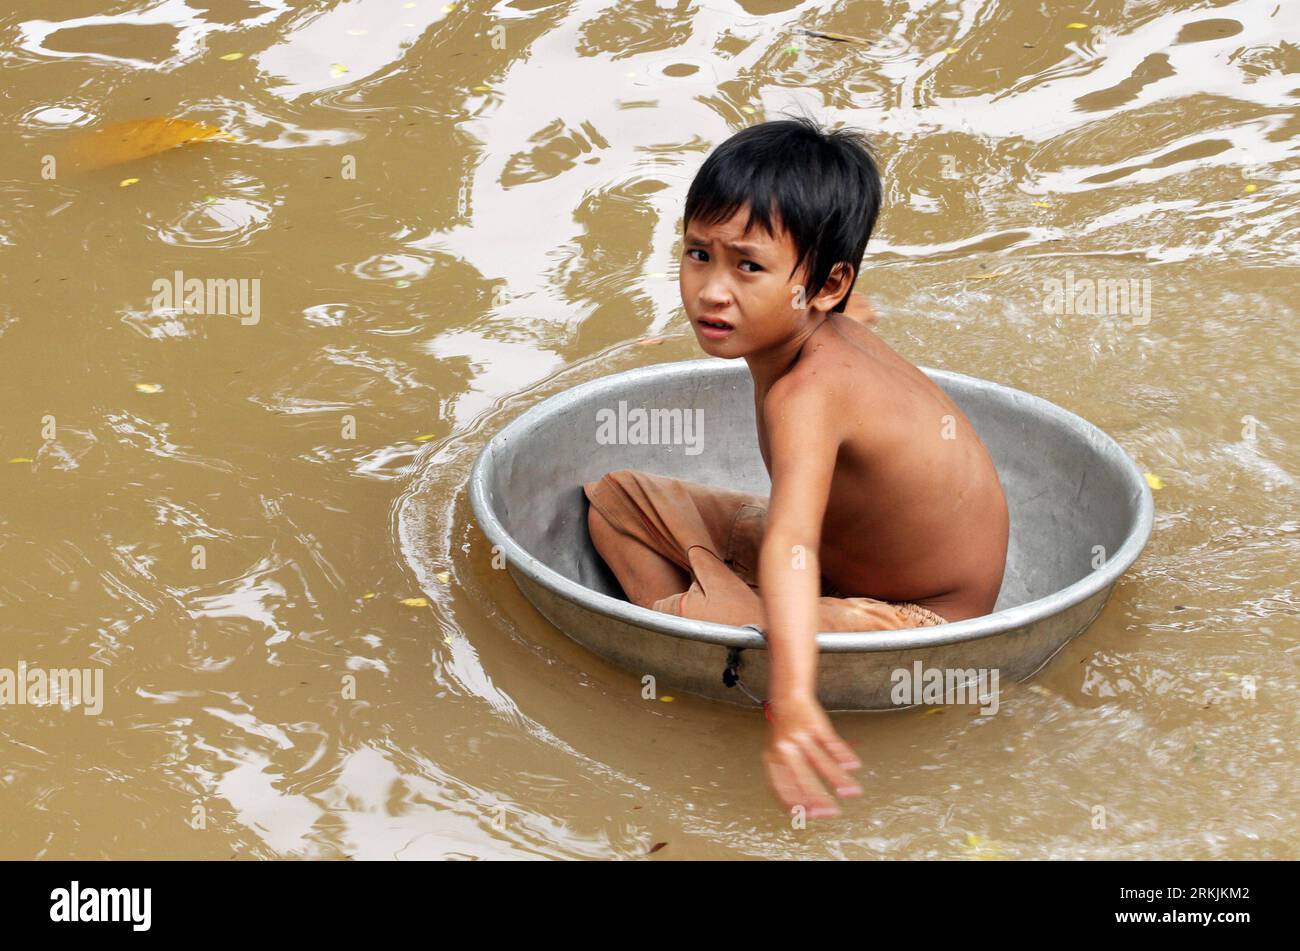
{"x":598,"y":525}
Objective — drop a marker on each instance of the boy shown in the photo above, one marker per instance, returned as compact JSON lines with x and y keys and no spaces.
{"x":886,"y":510}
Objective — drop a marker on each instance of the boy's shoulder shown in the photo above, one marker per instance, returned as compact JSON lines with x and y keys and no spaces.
{"x":841,"y":360}
{"x":843,"y":369}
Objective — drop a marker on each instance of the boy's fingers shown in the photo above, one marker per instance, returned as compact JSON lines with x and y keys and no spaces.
{"x":783,"y":784}
{"x":842,"y":752}
{"x":815,"y":797}
{"x":833,"y":772}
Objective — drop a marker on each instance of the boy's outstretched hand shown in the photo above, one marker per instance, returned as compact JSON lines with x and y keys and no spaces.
{"x":802,"y":745}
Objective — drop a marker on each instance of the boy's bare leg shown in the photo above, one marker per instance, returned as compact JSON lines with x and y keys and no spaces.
{"x":646,"y":575}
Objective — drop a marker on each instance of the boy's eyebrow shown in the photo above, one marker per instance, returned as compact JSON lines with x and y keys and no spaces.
{"x":740,"y":246}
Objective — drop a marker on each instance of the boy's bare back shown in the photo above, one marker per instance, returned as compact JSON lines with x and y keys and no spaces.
{"x":915,"y":511}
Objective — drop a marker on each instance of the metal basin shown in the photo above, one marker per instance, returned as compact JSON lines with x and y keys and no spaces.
{"x":1075,"y":498}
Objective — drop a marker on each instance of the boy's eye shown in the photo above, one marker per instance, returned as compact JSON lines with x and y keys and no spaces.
{"x":690,"y":251}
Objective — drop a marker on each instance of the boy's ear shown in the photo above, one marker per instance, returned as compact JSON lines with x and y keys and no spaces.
{"x":838,"y":285}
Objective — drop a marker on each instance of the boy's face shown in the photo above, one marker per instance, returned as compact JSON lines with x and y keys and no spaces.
{"x":747,"y":288}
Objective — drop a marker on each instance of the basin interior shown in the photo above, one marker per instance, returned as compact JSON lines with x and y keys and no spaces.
{"x":1067,"y":489}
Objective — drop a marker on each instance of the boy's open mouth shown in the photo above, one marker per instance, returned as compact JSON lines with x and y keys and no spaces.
{"x":714,"y":328}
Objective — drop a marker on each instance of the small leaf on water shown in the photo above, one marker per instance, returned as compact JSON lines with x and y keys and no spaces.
{"x":415,"y":602}
{"x":949,"y":51}
{"x":148,"y":388}
{"x":337,"y":70}
{"x":20,"y":459}
{"x":448,"y":7}
{"x":667,"y":699}
{"x":1251,"y":188}
{"x":210,"y":199}
{"x":1042,"y":204}
{"x":127,"y":181}
{"x":402,"y":282}
{"x":368,"y":595}
{"x":135,"y":139}
{"x":231,"y":57}
{"x":656,"y":847}
{"x":444,"y":577}
{"x":482,"y":88}
{"x":932,"y":711}
{"x":748,"y":110}
{"x":1153,"y":480}
{"x":425,"y":438}
{"x":983,"y":848}
{"x":1076,"y":26}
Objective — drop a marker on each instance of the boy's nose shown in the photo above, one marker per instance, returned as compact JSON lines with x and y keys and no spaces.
{"x":714,"y":296}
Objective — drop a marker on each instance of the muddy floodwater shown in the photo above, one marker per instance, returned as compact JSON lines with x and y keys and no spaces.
{"x":252,"y":527}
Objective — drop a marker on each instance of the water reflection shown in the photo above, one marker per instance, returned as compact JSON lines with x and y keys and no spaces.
{"x":455,"y":211}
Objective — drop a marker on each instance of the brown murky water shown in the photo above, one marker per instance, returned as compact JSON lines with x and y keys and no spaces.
{"x":454,"y":212}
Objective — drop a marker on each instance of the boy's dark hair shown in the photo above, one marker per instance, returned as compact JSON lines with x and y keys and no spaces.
{"x":823,"y":186}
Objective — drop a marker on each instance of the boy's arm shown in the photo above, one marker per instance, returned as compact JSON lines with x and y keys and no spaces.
{"x":804,"y":440}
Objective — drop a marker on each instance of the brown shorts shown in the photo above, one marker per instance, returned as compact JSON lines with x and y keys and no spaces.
{"x":715,"y":534}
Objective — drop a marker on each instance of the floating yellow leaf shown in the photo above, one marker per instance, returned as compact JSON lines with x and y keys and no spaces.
{"x":482,"y":88}
{"x":1252,"y":187}
{"x":368,"y":595}
{"x":1153,"y":480}
{"x":932,"y":711}
{"x":444,"y":577}
{"x":337,"y":70}
{"x":20,"y":459}
{"x":135,"y":139}
{"x":231,"y":57}
{"x":1076,"y":26}
{"x":148,"y":388}
{"x":402,"y":282}
{"x":748,"y":110}
{"x":1042,"y":204}
{"x":949,"y":51}
{"x":127,"y":181}
{"x":425,"y":438}
{"x":982,"y":848}
{"x":415,"y":602}
{"x":667,"y":699}
{"x":448,"y":7}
